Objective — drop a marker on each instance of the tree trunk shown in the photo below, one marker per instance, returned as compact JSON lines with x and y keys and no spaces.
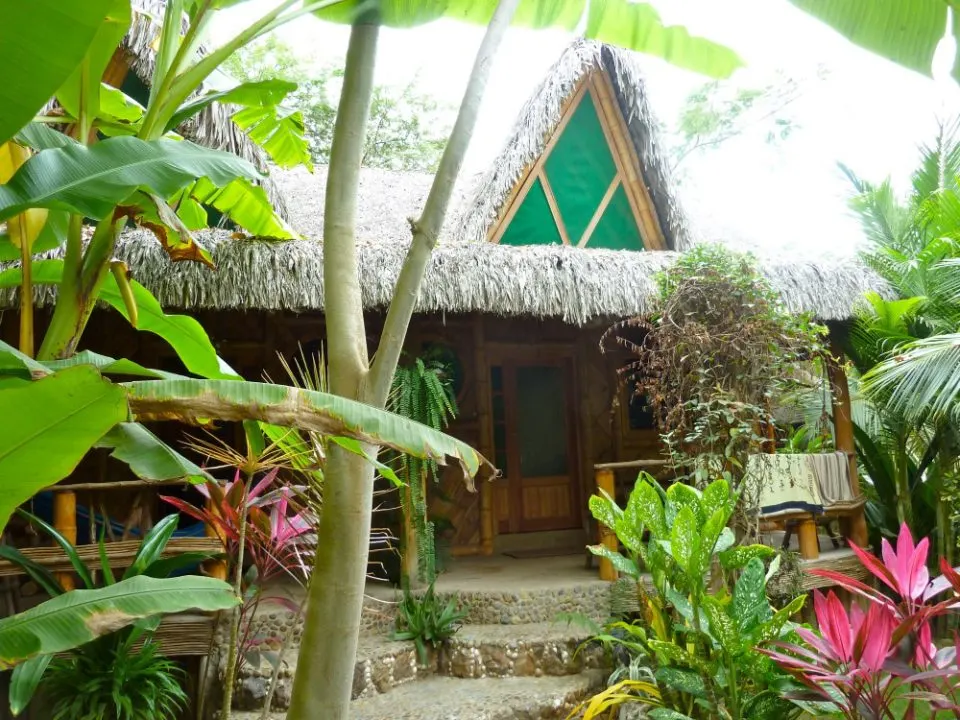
{"x":427,"y":228}
{"x":328,"y":648}
{"x":325,"y":667}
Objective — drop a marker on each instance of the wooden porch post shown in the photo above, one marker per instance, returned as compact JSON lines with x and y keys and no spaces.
{"x":807,"y":536}
{"x":485,"y":429}
{"x":605,"y":482}
{"x":410,"y":559}
{"x":65,"y":522}
{"x":854,"y":526}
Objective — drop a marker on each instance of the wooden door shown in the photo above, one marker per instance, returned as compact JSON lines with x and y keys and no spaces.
{"x":535,"y":441}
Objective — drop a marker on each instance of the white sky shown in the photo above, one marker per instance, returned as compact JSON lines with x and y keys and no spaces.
{"x":867,"y":113}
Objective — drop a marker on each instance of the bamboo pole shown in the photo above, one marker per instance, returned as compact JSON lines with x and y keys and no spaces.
{"x":554,"y":208}
{"x":65,"y":522}
{"x":605,"y":482}
{"x":807,"y":534}
{"x":627,"y":161}
{"x":855,"y":525}
{"x":601,"y":208}
{"x":516,"y":197}
{"x":410,"y":549}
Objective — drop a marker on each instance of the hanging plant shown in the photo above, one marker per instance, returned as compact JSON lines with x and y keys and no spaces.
{"x":713,"y":359}
{"x":423,"y":391}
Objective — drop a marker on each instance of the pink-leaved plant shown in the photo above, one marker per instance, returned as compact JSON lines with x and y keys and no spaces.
{"x":878,"y":664}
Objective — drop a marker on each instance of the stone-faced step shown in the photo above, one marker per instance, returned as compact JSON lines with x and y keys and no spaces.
{"x":516,"y":698}
{"x":444,"y":698}
{"x":534,"y":649}
{"x":382,"y":664}
{"x":541,"y":605}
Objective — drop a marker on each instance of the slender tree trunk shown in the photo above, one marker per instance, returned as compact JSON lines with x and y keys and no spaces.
{"x":427,"y":228}
{"x":325,"y":667}
{"x":328,"y":648}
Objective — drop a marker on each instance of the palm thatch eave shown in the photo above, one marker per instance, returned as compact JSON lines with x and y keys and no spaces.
{"x":576,"y":285}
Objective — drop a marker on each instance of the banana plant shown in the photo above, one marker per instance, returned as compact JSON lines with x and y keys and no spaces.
{"x":71,"y":619}
{"x":147,"y":562}
{"x":101,"y":172}
{"x":62,"y":413}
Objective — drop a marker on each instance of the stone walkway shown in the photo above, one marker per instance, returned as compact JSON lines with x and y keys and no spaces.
{"x":516,"y":658}
{"x":444,"y":698}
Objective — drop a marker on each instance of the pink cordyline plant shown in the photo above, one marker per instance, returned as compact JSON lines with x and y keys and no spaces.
{"x":276,"y":540}
{"x":862,"y":663}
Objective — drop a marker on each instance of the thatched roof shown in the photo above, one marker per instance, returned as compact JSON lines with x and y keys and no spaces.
{"x":540,"y":116}
{"x":577,"y":285}
{"x":211,"y":127}
{"x":386,"y":201}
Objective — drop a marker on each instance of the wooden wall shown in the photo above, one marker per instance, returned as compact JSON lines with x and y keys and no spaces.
{"x":249,"y":341}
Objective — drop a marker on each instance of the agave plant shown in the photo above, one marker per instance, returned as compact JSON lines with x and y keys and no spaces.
{"x":427,"y":620}
{"x":880,"y":663}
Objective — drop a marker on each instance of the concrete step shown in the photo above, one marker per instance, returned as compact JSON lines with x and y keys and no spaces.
{"x":517,"y":698}
{"x":382,"y":665}
{"x":444,"y":698}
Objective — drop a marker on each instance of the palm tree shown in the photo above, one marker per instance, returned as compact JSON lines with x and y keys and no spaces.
{"x":907,"y":349}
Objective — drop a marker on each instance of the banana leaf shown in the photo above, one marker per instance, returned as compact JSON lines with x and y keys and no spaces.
{"x":75,"y":618}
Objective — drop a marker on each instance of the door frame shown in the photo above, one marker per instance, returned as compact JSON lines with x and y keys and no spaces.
{"x":563,"y":355}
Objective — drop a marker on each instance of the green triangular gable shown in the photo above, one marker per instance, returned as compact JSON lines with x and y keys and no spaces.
{"x":581,"y":172}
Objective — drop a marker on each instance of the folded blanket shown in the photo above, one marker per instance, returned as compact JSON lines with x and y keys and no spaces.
{"x":832,"y":471}
{"x":786,"y":485}
{"x":801,"y":483}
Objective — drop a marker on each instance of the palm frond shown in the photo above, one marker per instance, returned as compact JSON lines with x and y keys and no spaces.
{"x":922,"y":381}
{"x":940,"y":162}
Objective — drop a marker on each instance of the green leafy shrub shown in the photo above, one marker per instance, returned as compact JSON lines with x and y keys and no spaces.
{"x":427,"y":620}
{"x":110,"y":668}
{"x":116,"y":680}
{"x":714,"y":358}
{"x":703,"y":603}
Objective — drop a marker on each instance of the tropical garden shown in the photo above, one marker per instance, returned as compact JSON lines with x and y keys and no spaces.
{"x":80,"y":161}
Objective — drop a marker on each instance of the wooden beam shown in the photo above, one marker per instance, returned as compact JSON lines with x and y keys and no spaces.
{"x":121,"y":554}
{"x":598,"y":213}
{"x":627,"y":161}
{"x":481,"y":372}
{"x":529,"y":176}
{"x":631,"y":464}
{"x":513,"y":474}
{"x":114,"y":485}
{"x":855,"y":526}
{"x":117,"y":69}
{"x":554,"y":208}
{"x":608,"y":538}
